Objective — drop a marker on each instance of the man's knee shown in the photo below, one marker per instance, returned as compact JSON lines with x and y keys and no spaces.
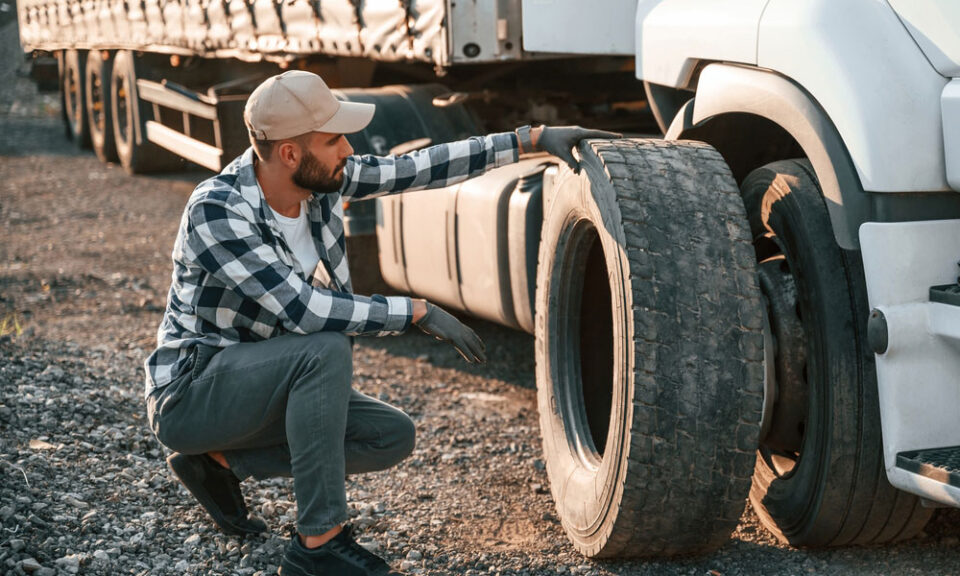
{"x":332,"y":347}
{"x":332,"y":342}
{"x":404,"y":436}
{"x":166,"y":428}
{"x":179,"y":440}
{"x":332,"y":356}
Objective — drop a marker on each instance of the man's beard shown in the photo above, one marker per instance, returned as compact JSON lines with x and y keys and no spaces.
{"x":312,"y":175}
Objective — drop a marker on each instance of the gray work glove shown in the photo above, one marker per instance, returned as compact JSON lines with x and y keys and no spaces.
{"x":441,"y":325}
{"x":560,"y":140}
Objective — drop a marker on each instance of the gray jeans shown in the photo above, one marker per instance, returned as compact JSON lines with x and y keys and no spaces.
{"x":284,"y":407}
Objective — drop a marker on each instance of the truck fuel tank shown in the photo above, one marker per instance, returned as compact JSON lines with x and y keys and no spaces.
{"x":471,"y":246}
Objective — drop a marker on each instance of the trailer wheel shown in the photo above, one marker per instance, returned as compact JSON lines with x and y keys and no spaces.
{"x":99,"y":111}
{"x":648,"y":349}
{"x":820,"y":477}
{"x":61,"y":79}
{"x":78,"y":127}
{"x":130,"y":116}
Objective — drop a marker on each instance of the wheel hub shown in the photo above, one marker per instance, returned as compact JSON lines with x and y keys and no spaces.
{"x":98,"y":118}
{"x":73,"y":92}
{"x":786,"y":392}
{"x":122,"y":104}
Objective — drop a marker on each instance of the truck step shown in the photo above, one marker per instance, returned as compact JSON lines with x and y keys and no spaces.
{"x":940,"y":464}
{"x":946,"y":294}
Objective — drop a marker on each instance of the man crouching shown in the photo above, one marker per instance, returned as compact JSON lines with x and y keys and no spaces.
{"x":252,"y":374}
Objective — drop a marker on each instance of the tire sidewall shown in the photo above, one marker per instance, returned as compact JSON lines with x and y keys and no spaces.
{"x":588,"y":500}
{"x":75,"y":106}
{"x":137,"y":154}
{"x":133,"y":149}
{"x":124,"y":132}
{"x":62,"y":78}
{"x":680,"y":403}
{"x":103,"y":141}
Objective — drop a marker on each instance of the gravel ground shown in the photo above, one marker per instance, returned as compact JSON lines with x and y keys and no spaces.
{"x":84,"y":269}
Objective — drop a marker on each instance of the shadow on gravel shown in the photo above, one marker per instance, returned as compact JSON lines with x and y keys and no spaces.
{"x":748,"y":555}
{"x":33,"y":136}
{"x":944,"y":524}
{"x":510,"y":353}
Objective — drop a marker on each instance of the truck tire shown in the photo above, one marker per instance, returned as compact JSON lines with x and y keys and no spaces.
{"x":78,"y":127}
{"x":820,"y":478}
{"x":61,"y":79}
{"x":130,"y":116}
{"x":648,"y":349}
{"x":97,"y":99}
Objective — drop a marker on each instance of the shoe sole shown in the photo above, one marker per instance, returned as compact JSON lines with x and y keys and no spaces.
{"x":293,"y":571}
{"x":182,"y":468}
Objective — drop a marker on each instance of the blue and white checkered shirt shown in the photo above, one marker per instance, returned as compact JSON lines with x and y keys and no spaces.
{"x":236,"y":280}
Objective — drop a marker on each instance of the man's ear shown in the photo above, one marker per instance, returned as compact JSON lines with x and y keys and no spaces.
{"x":288,"y":153}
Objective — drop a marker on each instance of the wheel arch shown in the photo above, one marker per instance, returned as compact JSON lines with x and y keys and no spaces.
{"x":737,"y":107}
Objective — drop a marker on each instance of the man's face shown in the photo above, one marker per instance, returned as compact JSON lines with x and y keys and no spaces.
{"x":321,"y":164}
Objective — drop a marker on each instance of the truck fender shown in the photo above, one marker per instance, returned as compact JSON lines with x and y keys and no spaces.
{"x":728,"y":89}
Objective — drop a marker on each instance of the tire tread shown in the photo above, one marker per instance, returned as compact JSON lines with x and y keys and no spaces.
{"x":698,"y":358}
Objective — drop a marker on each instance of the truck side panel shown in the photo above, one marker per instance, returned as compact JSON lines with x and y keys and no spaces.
{"x":862,"y":66}
{"x":673,"y":35}
{"x":933,"y":24}
{"x":855,"y":59}
{"x":567,"y":26}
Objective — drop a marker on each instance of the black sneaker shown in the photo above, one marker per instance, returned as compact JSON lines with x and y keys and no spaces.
{"x":341,"y":556}
{"x":218,"y":491}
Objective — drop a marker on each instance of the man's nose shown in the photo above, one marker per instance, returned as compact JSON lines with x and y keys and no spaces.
{"x":346,"y":149}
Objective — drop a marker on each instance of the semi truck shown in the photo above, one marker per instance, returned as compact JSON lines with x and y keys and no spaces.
{"x":753,"y":295}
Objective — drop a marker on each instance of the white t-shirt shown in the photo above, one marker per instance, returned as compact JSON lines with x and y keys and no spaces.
{"x":296,"y":233}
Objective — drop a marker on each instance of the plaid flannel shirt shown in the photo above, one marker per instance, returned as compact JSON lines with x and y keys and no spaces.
{"x":236,"y":280}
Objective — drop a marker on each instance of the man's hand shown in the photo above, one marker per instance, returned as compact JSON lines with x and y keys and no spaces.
{"x":560,"y":141}
{"x":442,"y":326}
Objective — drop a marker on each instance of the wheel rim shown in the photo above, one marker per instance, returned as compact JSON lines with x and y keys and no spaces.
{"x":784,"y":419}
{"x":584,"y":343}
{"x":72,"y":95}
{"x":98,"y":117}
{"x":123,"y":120}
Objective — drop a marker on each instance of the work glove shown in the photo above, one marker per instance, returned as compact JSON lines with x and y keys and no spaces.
{"x":442,"y":326}
{"x":560,"y":141}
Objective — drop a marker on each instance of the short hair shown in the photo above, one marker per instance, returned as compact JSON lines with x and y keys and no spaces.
{"x":264,"y":148}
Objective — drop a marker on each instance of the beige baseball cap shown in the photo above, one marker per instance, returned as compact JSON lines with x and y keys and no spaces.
{"x":297,"y":102}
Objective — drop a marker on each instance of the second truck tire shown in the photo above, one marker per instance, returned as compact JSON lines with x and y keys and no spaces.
{"x":820,"y":478}
{"x":649,"y":349}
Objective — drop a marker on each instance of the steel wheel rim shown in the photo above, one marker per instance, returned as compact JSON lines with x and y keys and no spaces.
{"x":98,"y":117}
{"x":123,"y":120}
{"x":73,"y":97}
{"x":784,"y":421}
